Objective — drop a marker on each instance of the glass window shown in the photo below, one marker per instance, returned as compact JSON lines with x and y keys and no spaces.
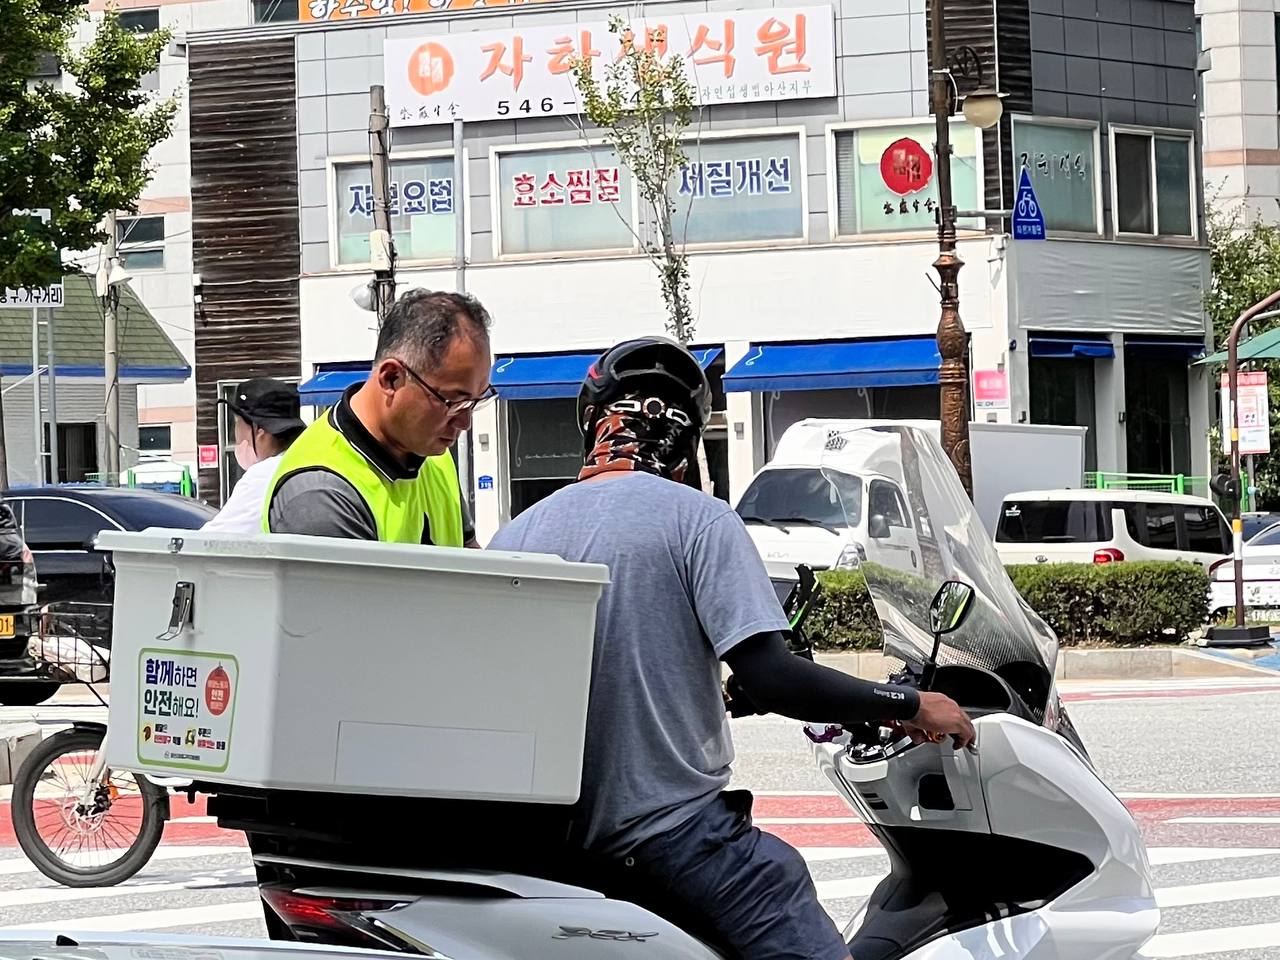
{"x":1206,"y":530}
{"x":1141,"y":160}
{"x":803,"y":495}
{"x":140,"y":21}
{"x":1161,"y":527}
{"x":737,"y":189}
{"x":59,"y":524}
{"x":1133,"y":184}
{"x":422,"y":205}
{"x":564,"y":200}
{"x":1063,"y":163}
{"x":1270,"y":537}
{"x":154,"y":438}
{"x":1054,"y":521}
{"x":275,"y":11}
{"x":140,"y":242}
{"x":885,"y":181}
{"x":1173,"y":187}
{"x":883,"y":500}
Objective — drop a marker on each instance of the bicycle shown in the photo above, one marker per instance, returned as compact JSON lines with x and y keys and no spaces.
{"x":80,"y":823}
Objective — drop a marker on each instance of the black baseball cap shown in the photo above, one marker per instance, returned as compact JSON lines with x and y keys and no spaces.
{"x":269,"y":404}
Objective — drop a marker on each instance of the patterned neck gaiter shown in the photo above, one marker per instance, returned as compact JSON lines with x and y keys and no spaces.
{"x":646,"y":435}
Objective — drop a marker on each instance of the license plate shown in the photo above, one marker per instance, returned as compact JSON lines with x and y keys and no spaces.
{"x":6,"y":625}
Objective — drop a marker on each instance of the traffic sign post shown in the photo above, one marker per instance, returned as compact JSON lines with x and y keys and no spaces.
{"x":1028,"y":218}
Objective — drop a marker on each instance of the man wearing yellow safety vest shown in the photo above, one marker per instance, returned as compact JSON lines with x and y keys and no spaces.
{"x":376,"y":466}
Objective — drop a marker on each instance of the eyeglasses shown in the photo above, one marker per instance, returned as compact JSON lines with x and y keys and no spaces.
{"x":454,"y":408}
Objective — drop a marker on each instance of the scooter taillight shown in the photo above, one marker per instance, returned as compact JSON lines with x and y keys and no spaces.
{"x":340,"y":921}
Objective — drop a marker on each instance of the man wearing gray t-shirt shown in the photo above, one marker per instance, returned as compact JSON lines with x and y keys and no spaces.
{"x":688,"y":590}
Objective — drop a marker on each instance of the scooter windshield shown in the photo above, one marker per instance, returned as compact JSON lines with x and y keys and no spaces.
{"x":920,"y":531}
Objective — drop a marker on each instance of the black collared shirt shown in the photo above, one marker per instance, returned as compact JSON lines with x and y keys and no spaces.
{"x":320,"y":503}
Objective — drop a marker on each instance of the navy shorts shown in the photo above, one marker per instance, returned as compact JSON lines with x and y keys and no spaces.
{"x":745,"y":892}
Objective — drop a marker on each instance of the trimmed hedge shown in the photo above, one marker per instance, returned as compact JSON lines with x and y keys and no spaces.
{"x":1118,"y":604}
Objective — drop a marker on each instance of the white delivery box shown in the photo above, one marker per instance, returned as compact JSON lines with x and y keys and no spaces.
{"x":305,"y":663}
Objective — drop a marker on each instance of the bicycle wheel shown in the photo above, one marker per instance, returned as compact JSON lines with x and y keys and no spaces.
{"x":95,"y":844}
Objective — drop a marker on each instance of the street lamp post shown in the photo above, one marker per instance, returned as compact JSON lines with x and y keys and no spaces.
{"x":983,"y":109}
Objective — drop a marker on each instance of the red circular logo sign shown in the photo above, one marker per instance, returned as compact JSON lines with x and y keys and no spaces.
{"x":906,"y":167}
{"x":217,"y":691}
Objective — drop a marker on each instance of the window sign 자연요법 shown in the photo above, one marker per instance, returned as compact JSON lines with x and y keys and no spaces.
{"x":1062,"y":160}
{"x":422,"y":206}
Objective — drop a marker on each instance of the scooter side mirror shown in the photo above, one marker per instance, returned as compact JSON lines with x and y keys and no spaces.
{"x":950,"y":607}
{"x":878,"y":527}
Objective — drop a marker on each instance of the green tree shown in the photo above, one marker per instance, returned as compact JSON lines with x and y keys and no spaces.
{"x":1244,"y":257}
{"x":79,"y":152}
{"x":643,"y":104}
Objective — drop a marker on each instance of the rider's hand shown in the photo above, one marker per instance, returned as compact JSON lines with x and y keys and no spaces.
{"x":940,"y":717}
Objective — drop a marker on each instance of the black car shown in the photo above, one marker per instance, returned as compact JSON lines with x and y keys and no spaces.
{"x":59,"y":526}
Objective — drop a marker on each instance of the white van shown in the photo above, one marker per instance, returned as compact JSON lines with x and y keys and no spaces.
{"x":1107,"y":526}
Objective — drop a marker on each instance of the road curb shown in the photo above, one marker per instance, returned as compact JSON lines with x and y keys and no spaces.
{"x":17,"y":740}
{"x":1137,"y":663}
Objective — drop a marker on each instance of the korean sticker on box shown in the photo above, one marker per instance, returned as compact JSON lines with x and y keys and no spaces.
{"x":186,"y":709}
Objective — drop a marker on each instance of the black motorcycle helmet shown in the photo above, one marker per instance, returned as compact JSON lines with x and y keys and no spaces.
{"x":647,"y":367}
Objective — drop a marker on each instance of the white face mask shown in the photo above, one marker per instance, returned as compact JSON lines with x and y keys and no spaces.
{"x":246,"y":454}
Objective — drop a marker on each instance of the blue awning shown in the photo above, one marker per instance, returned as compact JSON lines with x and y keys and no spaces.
{"x":909,"y":362}
{"x":326,"y":387}
{"x":555,"y":375}
{"x":1174,"y":348}
{"x":1067,"y":347}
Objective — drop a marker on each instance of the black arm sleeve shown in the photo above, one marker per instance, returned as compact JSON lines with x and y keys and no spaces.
{"x":777,"y":681}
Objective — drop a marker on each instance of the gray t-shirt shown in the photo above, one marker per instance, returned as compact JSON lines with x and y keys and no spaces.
{"x":687,"y":586}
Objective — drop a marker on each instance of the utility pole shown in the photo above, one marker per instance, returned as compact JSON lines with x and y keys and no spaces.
{"x":53,"y":396}
{"x":111,"y":360}
{"x":460,"y":283}
{"x":382,"y":250}
{"x":37,"y":416}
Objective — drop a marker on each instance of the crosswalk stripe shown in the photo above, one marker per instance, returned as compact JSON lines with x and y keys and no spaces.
{"x":17,"y":865}
{"x":151,"y":919}
{"x":1242,"y":820}
{"x":1198,"y":943}
{"x":38,"y":895}
{"x":1168,"y":856}
{"x":847,"y":887}
{"x":827,"y":854}
{"x":1223,"y":891}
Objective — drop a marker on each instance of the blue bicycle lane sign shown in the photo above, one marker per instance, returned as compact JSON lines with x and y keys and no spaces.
{"x":1028,"y":218}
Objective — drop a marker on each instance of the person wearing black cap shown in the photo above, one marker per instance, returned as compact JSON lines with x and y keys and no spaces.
{"x":266,"y":422}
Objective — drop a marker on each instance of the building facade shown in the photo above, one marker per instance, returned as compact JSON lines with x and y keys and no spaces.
{"x":1240,"y":49}
{"x":807,"y":201}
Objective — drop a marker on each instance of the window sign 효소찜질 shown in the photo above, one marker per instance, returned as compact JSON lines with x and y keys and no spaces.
{"x":422,"y":200}
{"x":885,"y":180}
{"x":563,"y":200}
{"x":1062,"y":161}
{"x":739,"y":189}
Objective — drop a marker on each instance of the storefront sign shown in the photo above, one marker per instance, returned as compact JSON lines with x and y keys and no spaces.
{"x":749,"y":56}
{"x":990,"y":389}
{"x":734,"y":189}
{"x":422,"y":205}
{"x":207,"y":455}
{"x":1061,"y":161}
{"x":310,"y":11}
{"x":1253,"y":416}
{"x":906,"y":166}
{"x":563,"y":199}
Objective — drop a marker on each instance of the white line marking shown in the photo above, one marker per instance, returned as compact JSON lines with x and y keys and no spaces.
{"x":152,"y":919}
{"x":17,"y":865}
{"x":1197,"y":943}
{"x":1168,"y":856}
{"x":827,"y":854}
{"x":1254,"y":820}
{"x":1198,"y":796}
{"x":847,"y":887}
{"x":55,"y":894}
{"x":194,"y":820}
{"x":1224,"y":891}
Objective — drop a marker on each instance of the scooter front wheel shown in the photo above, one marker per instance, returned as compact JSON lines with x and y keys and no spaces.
{"x":79,"y":829}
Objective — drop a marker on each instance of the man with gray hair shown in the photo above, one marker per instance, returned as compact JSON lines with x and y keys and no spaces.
{"x":376,"y":466}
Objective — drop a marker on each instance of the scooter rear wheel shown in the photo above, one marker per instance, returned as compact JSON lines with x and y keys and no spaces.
{"x":98,"y":844}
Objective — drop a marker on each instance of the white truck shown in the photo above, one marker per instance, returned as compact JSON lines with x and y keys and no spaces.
{"x":823,"y":508}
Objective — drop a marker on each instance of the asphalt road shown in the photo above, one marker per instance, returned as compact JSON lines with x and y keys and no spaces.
{"x":1198,"y":763}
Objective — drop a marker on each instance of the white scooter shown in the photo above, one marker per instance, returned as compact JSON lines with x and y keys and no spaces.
{"x":1012,"y":849}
